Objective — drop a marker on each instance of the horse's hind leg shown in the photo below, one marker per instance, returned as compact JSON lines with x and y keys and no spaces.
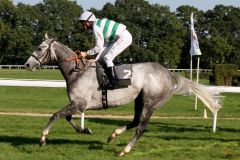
{"x":147,"y":112}
{"x":145,"y":117}
{"x":138,"y":111}
{"x":66,"y":111}
{"x":76,"y":127}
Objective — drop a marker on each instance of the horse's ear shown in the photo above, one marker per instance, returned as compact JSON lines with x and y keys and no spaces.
{"x":54,"y":39}
{"x":46,"y":36}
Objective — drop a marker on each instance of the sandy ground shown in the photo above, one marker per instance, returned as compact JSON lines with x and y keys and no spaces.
{"x":104,"y":116}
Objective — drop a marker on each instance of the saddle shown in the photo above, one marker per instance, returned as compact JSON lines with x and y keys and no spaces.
{"x":123,"y":75}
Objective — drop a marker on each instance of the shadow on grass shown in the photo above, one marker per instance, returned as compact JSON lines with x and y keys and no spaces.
{"x":115,"y":122}
{"x":208,"y":139}
{"x":164,"y":127}
{"x":21,"y":140}
{"x":203,"y":131}
{"x":168,"y":127}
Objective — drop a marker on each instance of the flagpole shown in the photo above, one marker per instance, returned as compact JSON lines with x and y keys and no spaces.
{"x":198,"y":62}
{"x":191,"y":68}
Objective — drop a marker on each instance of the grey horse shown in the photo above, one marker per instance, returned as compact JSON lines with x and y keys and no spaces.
{"x":151,"y":86}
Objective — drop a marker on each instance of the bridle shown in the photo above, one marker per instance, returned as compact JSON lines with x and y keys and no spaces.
{"x":47,"y":54}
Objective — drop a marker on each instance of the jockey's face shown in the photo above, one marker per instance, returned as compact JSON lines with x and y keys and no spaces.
{"x":87,"y":25}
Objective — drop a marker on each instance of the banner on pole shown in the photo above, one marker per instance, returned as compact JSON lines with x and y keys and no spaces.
{"x":195,"y":50}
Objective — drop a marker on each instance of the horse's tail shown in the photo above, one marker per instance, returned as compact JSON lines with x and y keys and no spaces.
{"x":208,"y":98}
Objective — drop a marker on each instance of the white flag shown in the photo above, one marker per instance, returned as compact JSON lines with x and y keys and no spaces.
{"x":195,"y":50}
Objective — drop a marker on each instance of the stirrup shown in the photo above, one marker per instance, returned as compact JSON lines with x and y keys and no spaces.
{"x":109,"y":85}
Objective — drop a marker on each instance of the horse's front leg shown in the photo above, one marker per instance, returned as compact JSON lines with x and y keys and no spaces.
{"x":76,"y":127}
{"x":66,"y":111}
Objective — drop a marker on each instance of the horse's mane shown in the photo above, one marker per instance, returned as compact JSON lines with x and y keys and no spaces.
{"x":65,"y":48}
{"x":70,"y":53}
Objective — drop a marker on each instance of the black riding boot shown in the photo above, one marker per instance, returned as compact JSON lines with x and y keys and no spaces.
{"x":111,"y":78}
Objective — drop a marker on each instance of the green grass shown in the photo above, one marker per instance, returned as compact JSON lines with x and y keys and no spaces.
{"x":38,"y":74}
{"x":32,"y":99}
{"x":164,"y":139}
{"x":50,"y":100}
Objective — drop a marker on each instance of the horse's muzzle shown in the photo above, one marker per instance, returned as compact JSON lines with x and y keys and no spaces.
{"x":29,"y":67}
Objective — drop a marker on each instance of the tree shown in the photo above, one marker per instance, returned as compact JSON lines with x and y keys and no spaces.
{"x":222,"y":34}
{"x":8,"y":23}
{"x":158,"y":34}
{"x":59,"y":18}
{"x":216,"y":50}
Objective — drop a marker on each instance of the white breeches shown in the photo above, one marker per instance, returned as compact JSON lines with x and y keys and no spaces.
{"x":114,"y":49}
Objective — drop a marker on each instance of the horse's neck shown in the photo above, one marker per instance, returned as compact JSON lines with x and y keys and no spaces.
{"x":62,"y":53}
{"x":66,"y":67}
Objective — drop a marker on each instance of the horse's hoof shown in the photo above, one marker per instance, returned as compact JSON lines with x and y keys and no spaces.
{"x":121,"y":154}
{"x":42,"y":144}
{"x":110,"y":139}
{"x":87,"y":131}
{"x":42,"y":141}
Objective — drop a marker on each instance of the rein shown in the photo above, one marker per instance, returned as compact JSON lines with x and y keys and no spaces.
{"x":76,"y":59}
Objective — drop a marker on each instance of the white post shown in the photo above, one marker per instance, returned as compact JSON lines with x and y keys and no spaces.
{"x":214,"y":122}
{"x":191,"y":69}
{"x":82,"y":120}
{"x":205,"y":113}
{"x":215,"y":119}
{"x":196,"y":100}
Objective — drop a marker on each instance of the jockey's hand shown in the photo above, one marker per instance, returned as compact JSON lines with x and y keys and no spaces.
{"x":92,"y":60}
{"x":83,"y":54}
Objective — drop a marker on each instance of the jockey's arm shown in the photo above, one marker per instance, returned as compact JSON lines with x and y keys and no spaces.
{"x":99,"y":42}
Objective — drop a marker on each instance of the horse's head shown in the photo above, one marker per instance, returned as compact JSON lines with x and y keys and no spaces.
{"x":50,"y":50}
{"x":43,"y":54}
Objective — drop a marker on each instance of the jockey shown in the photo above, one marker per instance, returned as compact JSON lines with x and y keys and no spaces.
{"x":111,"y":39}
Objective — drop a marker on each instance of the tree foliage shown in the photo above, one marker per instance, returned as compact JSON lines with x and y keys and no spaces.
{"x":159,"y":35}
